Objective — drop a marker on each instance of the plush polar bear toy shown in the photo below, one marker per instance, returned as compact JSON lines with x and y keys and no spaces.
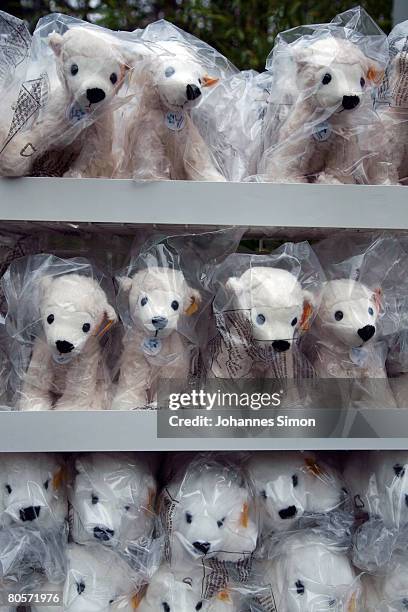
{"x":112,"y":498}
{"x":174,"y":591}
{"x":294,"y":486}
{"x":309,"y":574}
{"x":32,"y":490}
{"x":66,"y":370}
{"x":98,"y":580}
{"x":389,"y":592}
{"x":161,"y":138}
{"x":75,"y":129}
{"x":159,"y":301}
{"x":208,"y":513}
{"x":322,"y":136}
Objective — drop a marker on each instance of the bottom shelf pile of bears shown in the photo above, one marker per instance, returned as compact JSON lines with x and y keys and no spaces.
{"x":220,"y":532}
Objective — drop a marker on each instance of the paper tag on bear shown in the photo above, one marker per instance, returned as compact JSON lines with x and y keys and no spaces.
{"x":76,"y":113}
{"x":175,"y":120}
{"x":322,"y":131}
{"x":359,"y":356}
{"x":151,"y":346}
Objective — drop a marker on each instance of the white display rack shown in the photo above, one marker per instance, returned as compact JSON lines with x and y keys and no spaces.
{"x":297,"y":207}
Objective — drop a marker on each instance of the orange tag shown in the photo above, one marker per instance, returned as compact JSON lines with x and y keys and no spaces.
{"x":192,"y":308}
{"x":374,"y":75}
{"x":136,"y":599}
{"x":104,"y":328}
{"x":377,"y":296}
{"x":208,"y":81}
{"x":313,"y":467}
{"x":306,"y":316}
{"x":352,"y":605}
{"x":224,"y":596}
{"x":244,"y":520}
{"x":150,"y":501}
{"x":58,"y":479}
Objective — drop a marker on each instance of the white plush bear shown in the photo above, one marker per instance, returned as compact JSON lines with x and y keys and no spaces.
{"x":294,"y":486}
{"x":161,"y":140}
{"x":309,"y":574}
{"x":112,"y":498}
{"x":389,"y":592}
{"x":66,"y":370}
{"x":98,"y":580}
{"x":75,"y":129}
{"x":159,"y":301}
{"x":32,"y":490}
{"x":208,"y":513}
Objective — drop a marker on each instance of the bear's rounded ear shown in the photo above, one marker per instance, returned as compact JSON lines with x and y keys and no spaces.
{"x":195,"y":301}
{"x":124,"y":282}
{"x":56,"y":41}
{"x":45,"y":283}
{"x":234,"y":285}
{"x":377,"y":298}
{"x":110,"y":314}
{"x":79,"y":467}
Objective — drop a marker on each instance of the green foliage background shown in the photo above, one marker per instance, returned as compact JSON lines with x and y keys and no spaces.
{"x":243,"y":30}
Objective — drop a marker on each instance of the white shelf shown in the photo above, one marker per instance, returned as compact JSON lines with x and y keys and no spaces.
{"x":197,"y":203}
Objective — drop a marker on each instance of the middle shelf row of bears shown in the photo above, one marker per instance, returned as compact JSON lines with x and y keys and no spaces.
{"x":79,"y":100}
{"x":332,"y":319}
{"x":256,"y":532}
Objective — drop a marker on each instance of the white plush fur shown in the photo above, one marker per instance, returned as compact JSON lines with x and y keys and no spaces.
{"x":212,"y":516}
{"x":89,"y":91}
{"x":291,"y":486}
{"x":309,"y":575}
{"x":32,"y":490}
{"x":182,"y":593}
{"x":68,"y":376}
{"x":331,"y":73}
{"x":159,"y":301}
{"x":152,"y":150}
{"x":389,"y":592}
{"x":112,"y":500}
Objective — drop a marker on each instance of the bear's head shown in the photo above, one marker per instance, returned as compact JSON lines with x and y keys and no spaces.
{"x":348,"y":312}
{"x":159,"y":299}
{"x":214,"y":515}
{"x":32,"y":490}
{"x":334,"y":74}
{"x":112,"y":500}
{"x":309,"y":574}
{"x":98,"y":580}
{"x":73,"y":308}
{"x":292,"y":486}
{"x":274,"y":302}
{"x":91,"y":66}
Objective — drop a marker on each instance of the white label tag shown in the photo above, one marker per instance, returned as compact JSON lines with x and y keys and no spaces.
{"x":151,"y":346}
{"x":322,"y":131}
{"x":175,"y":120}
{"x":75,"y":113}
{"x":359,"y":356}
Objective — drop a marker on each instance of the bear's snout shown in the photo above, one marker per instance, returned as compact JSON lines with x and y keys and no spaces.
{"x":281,"y":345}
{"x":30,"y":513}
{"x":193,"y":92}
{"x":103,"y":534}
{"x":63,"y":346}
{"x":288,"y":513}
{"x":202,"y":547}
{"x":95,"y":95}
{"x":159,"y":322}
{"x":366,"y":332}
{"x":350,"y":102}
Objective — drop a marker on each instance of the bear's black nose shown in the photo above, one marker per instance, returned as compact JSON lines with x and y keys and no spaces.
{"x":95,"y":95}
{"x":350,"y":102}
{"x":103,"y":534}
{"x":159,"y":322}
{"x":281,"y":345}
{"x":63,"y":346}
{"x":30,"y":513}
{"x":193,"y":92}
{"x":366,"y":332}
{"x":202,"y":547}
{"x":288,"y":513}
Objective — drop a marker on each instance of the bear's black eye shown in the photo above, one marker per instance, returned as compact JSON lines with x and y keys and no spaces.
{"x":300,"y":587}
{"x":74,"y":69}
{"x":189,"y":518}
{"x":8,"y":489}
{"x":127,"y":508}
{"x":199,"y":605}
{"x":169,"y":71}
{"x":362,"y":82}
{"x":295,"y":480}
{"x":221,"y":522}
{"x":399,"y":470}
{"x":144,"y":301}
{"x":326,"y":79}
{"x":166,"y":606}
{"x":86,"y":327}
{"x":113,"y":78}
{"x":263,"y":494}
{"x":371,"y":311}
{"x":94,"y":499}
{"x":46,"y":484}
{"x":260,"y":319}
{"x":338,"y":315}
{"x":294,"y":321}
{"x":175,"y":305}
{"x":50,"y":319}
{"x":80,"y":587}
{"x":200,"y":81}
